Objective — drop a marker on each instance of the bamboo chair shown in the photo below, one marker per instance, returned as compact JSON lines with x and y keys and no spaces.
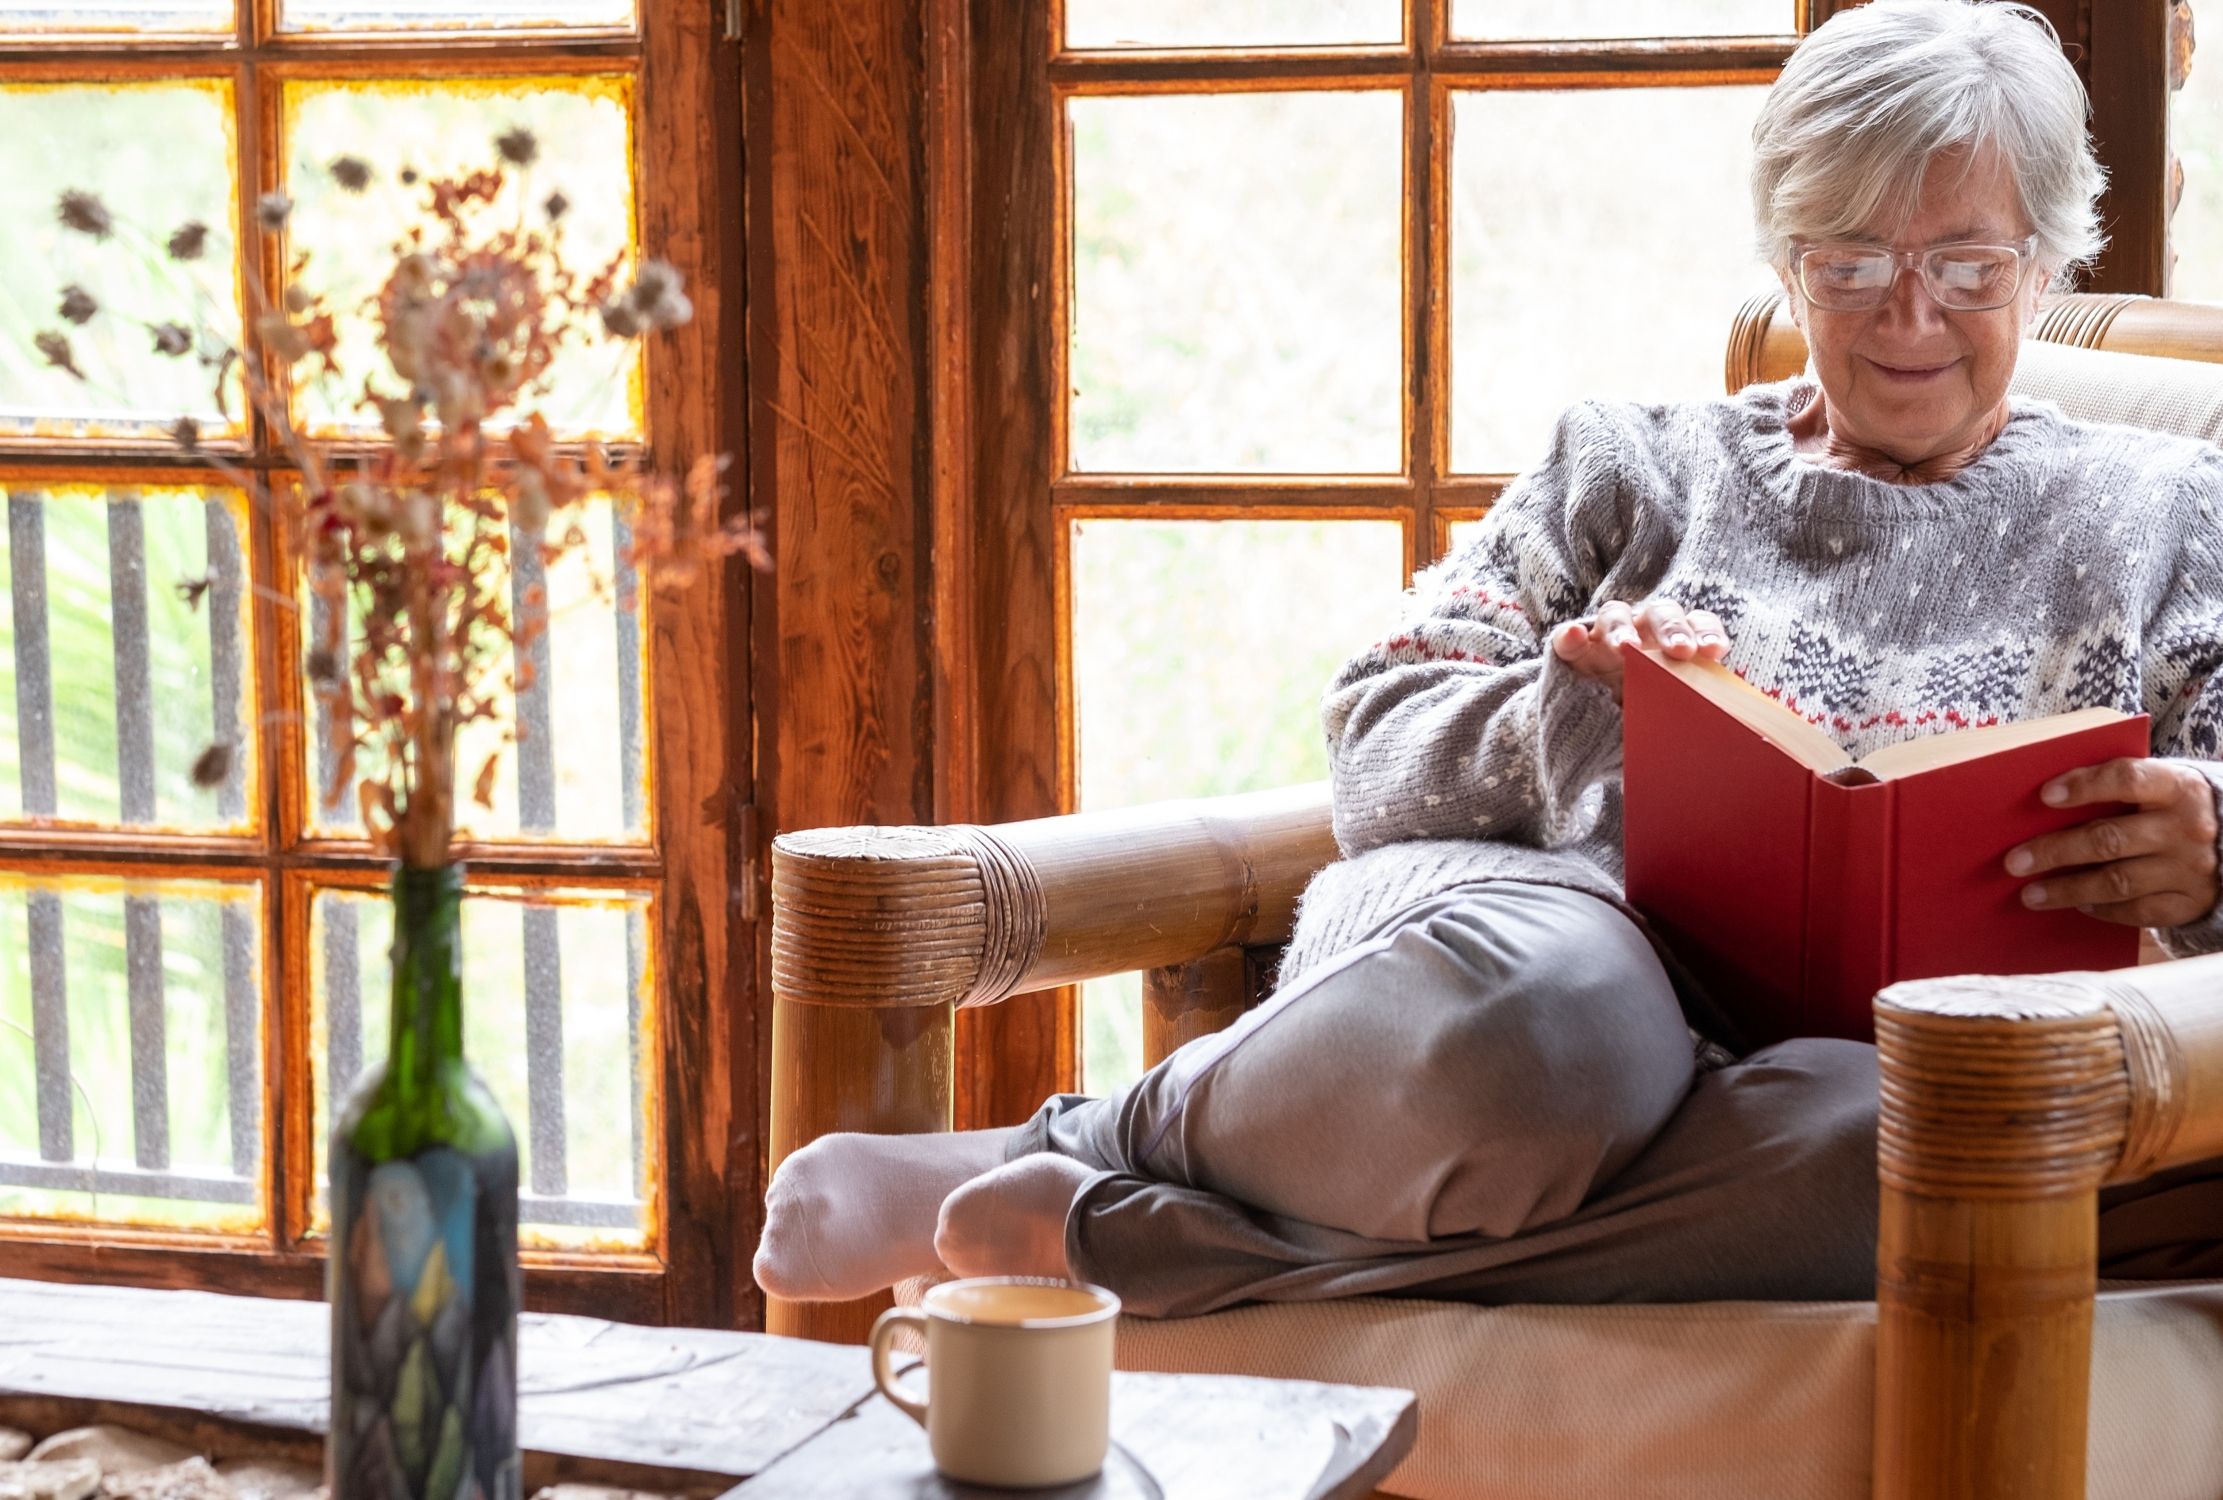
{"x":2006,"y":1103}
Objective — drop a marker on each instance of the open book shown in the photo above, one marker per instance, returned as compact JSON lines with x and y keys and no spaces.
{"x":1796,"y":881}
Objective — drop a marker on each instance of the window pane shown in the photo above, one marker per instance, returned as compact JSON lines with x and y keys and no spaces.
{"x":578,"y":770}
{"x":1236,"y":283}
{"x":1231,"y":23}
{"x":114,"y":683}
{"x":2196,"y":134}
{"x":1494,"y":20}
{"x":450,"y":15}
{"x":92,"y":17}
{"x":1200,"y":651}
{"x":1601,"y":240}
{"x":130,"y":1051}
{"x":583,"y":128}
{"x":555,"y":1020}
{"x":158,"y":156}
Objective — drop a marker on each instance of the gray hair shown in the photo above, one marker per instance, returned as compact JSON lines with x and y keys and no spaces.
{"x":1868,"y":101}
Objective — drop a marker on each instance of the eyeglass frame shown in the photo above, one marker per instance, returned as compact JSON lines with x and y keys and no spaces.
{"x":1916,"y":261}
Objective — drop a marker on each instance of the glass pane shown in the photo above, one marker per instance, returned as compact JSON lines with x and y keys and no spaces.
{"x":583,"y":130}
{"x":578,"y":770}
{"x":157,"y":157}
{"x":95,"y":17}
{"x":1236,"y":299}
{"x":114,"y":602}
{"x":449,"y":15}
{"x":556,"y":1021}
{"x":1174,"y":693}
{"x":1573,"y":20}
{"x":1601,"y":240}
{"x":2196,"y":135}
{"x":1232,"y":23}
{"x":130,"y":1051}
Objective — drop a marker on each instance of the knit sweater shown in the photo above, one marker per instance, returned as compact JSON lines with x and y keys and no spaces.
{"x":2070,"y":565}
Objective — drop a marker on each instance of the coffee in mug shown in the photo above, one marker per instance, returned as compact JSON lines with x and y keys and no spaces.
{"x":1018,"y":1377}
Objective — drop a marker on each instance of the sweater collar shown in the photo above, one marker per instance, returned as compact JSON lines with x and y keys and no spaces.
{"x":2009,"y":474}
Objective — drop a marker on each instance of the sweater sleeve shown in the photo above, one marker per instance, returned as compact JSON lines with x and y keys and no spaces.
{"x":2184,"y":668}
{"x":1463,"y":723}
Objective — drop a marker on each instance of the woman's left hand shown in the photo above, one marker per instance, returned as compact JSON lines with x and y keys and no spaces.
{"x":2155,"y":867}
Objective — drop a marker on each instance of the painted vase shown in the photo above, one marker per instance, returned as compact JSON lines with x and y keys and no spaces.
{"x":423,"y":1277}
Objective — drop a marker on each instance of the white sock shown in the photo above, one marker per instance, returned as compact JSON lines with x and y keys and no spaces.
{"x":1011,"y":1221}
{"x":850,"y":1214}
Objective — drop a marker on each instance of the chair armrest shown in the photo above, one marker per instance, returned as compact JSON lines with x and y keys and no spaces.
{"x":2006,"y":1103}
{"x":966,"y":915}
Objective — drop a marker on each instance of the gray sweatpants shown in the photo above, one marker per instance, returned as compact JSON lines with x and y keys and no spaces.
{"x":1494,"y":1099}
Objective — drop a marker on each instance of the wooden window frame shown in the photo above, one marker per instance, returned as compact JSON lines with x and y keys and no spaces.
{"x":687,"y":166}
{"x":999,"y":289}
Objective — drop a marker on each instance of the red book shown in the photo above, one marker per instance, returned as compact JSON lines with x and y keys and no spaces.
{"x":1796,"y":882}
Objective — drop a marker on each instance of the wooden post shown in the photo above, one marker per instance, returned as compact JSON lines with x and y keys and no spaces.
{"x":2004,"y":1106}
{"x":1181,"y":1002}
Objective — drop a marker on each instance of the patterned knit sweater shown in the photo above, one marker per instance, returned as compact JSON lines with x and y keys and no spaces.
{"x":2070,"y":565}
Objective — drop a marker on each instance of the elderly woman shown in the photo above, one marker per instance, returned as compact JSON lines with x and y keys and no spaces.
{"x":1483,"y":1077}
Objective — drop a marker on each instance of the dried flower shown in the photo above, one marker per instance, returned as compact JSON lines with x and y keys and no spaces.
{"x":191,"y":590}
{"x":323,"y":667}
{"x":213,"y":766}
{"x":173,"y":339}
{"x":186,"y":433}
{"x":656,"y":296}
{"x":299,"y":299}
{"x":408,"y":176}
{"x":189,"y":240}
{"x":55,"y":347}
{"x":284,"y":337}
{"x":78,"y":305}
{"x":620,"y":321}
{"x":272,"y":210}
{"x":556,"y":207}
{"x":86,"y":214}
{"x":518,"y":146}
{"x":352,"y":173}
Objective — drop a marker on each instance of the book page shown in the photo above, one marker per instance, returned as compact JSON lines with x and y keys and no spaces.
{"x":1803,"y":742}
{"x":1955,"y":746}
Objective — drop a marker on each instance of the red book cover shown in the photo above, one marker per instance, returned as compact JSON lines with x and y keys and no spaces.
{"x":1796,"y":883}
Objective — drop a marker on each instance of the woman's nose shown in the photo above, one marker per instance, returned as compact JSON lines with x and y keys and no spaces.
{"x":1910,"y":304}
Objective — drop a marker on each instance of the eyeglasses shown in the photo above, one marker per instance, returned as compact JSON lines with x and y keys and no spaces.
{"x":1961,"y":278}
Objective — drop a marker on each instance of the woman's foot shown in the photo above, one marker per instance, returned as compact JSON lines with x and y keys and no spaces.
{"x":850,"y":1214}
{"x":1011,"y":1221}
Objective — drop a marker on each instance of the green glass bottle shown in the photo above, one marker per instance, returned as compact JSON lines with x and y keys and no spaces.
{"x":423,"y":1276}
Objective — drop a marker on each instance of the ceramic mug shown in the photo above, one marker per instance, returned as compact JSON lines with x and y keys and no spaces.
{"x":1019,"y":1377}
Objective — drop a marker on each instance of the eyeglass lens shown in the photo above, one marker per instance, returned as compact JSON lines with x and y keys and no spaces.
{"x":1963,"y":277}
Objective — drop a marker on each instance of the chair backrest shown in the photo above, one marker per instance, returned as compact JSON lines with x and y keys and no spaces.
{"x":2139,"y":361}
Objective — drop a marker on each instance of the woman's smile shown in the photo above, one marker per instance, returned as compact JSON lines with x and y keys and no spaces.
{"x":1910,"y":372}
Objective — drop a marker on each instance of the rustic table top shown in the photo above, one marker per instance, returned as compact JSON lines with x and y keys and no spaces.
{"x":692,"y":1409}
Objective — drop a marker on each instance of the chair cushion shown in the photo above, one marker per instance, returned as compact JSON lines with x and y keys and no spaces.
{"x":1729,"y":1400}
{"x":2182,"y":396}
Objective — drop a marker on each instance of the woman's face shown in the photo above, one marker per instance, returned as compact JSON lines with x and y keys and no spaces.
{"x":1909,"y":378}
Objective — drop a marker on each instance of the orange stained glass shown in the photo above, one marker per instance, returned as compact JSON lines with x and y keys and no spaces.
{"x":155,"y":158}
{"x":1232,"y":23}
{"x":559,"y":1023}
{"x":127,"y":689}
{"x":578,"y":769}
{"x":113,"y":19}
{"x":131,"y":1051}
{"x":449,"y":15}
{"x":411,"y":132}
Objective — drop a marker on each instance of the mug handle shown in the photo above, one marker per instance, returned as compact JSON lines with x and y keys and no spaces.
{"x":883,"y":1329}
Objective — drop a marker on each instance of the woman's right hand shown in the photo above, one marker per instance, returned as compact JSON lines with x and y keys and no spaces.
{"x":1593,"y":647}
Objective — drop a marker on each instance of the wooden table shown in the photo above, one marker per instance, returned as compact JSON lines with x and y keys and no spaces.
{"x":682,"y":1409}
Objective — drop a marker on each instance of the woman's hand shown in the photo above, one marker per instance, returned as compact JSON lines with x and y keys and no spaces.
{"x":1594,"y":649}
{"x":2155,"y":867}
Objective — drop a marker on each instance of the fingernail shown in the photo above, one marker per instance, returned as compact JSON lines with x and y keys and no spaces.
{"x":1677,"y":638}
{"x":2033,"y":894}
{"x":2055,"y":795}
{"x":2018,"y":863}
